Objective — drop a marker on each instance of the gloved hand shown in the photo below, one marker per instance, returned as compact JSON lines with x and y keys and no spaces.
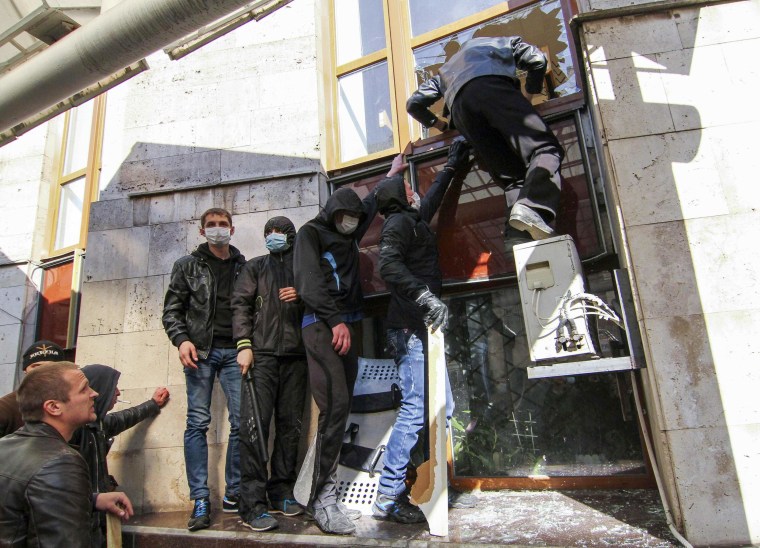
{"x":437,"y":314}
{"x":459,"y":154}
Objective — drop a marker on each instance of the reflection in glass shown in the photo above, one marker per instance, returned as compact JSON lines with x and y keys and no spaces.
{"x":508,"y":425}
{"x":541,"y":24}
{"x":427,"y":15}
{"x":78,"y":138}
{"x":67,"y":232}
{"x":364,"y":112}
{"x":359,"y":29}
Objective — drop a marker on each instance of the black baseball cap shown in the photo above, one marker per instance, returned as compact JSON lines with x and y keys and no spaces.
{"x":42,"y":351}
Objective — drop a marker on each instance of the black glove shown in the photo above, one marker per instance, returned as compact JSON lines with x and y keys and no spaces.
{"x":437,"y":314}
{"x":459,"y":154}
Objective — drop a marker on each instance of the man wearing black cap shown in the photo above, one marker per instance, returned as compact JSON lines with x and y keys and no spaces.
{"x":40,"y":351}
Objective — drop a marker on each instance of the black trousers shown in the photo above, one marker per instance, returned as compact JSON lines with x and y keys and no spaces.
{"x":332,"y":379}
{"x":511,"y":140}
{"x":280,"y":384}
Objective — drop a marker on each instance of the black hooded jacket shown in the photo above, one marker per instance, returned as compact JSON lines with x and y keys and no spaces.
{"x":190,"y":304}
{"x":259,"y":318}
{"x":408,"y":248}
{"x":94,"y":439}
{"x":326,"y":262}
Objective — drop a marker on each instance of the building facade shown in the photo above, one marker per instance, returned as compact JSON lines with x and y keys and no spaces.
{"x":272,"y":117}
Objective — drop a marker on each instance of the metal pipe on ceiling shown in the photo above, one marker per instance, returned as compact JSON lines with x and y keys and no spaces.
{"x":117,"y":38}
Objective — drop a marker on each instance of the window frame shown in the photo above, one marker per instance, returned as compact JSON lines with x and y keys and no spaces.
{"x":399,"y":54}
{"x":91,"y":174}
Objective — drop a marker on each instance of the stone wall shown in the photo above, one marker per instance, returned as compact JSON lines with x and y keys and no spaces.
{"x":233,"y":125}
{"x":674,"y":95}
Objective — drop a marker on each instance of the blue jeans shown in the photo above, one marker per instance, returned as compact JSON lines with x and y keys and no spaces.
{"x":221,"y":362}
{"x":409,"y":349}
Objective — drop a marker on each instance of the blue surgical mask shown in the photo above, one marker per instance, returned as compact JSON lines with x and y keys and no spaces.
{"x":277,"y":242}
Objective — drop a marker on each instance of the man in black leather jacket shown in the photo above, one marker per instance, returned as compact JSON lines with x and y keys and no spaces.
{"x":198,"y":320}
{"x":326,"y":267}
{"x":266,"y":323}
{"x":45,"y":493}
{"x":95,"y":438}
{"x":481,"y":90}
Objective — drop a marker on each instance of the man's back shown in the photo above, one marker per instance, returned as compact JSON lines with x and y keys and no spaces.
{"x":44,"y":490}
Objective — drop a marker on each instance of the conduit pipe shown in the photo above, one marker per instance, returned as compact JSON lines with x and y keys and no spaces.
{"x":117,"y":38}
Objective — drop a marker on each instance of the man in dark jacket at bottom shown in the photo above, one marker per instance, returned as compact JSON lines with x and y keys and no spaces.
{"x":326,"y":267}
{"x":409,"y":266}
{"x":266,"y":324}
{"x":95,"y":438}
{"x":45,"y":492}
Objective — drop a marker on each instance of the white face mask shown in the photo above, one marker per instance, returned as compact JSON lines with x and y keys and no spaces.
{"x":348,"y":224}
{"x":217,"y":235}
{"x":416,"y":201}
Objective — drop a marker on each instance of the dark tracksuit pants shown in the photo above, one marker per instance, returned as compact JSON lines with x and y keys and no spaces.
{"x":511,"y":140}
{"x":332,"y":379}
{"x":280,"y":384}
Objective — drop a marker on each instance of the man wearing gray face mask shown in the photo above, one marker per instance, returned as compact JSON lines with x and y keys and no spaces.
{"x":198,"y":320}
{"x":326,"y":265}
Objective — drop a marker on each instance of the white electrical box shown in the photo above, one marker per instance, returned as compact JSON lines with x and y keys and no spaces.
{"x":549,"y":275}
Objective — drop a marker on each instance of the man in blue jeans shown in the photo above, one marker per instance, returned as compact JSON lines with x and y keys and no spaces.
{"x":198,"y":320}
{"x":409,"y":266}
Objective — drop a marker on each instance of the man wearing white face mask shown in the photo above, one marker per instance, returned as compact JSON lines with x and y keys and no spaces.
{"x":198,"y":320}
{"x":326,"y":266}
{"x":266,"y":323}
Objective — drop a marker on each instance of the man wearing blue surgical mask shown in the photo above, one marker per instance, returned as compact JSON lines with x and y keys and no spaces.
{"x":266,"y":324}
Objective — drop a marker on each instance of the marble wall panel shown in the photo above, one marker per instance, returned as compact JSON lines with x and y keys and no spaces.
{"x":164,"y":482}
{"x":714,"y":514}
{"x":621,"y":37}
{"x":718,"y":24}
{"x":140,"y":357}
{"x":144,"y":304}
{"x":633,"y":101}
{"x":667,"y":177}
{"x":168,"y":242}
{"x":110,"y":214}
{"x":117,"y":254}
{"x":102,"y":307}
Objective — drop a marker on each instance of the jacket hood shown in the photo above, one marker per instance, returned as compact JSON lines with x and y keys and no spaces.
{"x":343,"y":199}
{"x":391,"y":196}
{"x":103,"y":380}
{"x":284,"y":225}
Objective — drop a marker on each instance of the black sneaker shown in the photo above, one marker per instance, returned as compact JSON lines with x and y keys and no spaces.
{"x":230,"y":504}
{"x":286,"y":507}
{"x":201,"y":516}
{"x":262,"y":522}
{"x":397,"y":509}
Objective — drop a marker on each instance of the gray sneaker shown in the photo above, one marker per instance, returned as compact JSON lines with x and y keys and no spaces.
{"x":262,"y":522}
{"x":351,"y":514}
{"x":332,"y":521}
{"x":524,"y":218}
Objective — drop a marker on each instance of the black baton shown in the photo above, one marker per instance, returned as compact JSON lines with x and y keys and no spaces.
{"x":256,"y":415}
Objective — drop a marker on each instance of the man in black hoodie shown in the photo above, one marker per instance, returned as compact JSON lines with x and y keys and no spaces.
{"x":95,"y":438}
{"x":266,"y":323}
{"x":198,"y":320}
{"x":326,"y":267}
{"x":409,"y":266}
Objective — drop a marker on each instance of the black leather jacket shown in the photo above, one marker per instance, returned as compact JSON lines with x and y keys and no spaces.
{"x":259,"y":318}
{"x":190,"y":301}
{"x":45,"y":495}
{"x":478,"y":57}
